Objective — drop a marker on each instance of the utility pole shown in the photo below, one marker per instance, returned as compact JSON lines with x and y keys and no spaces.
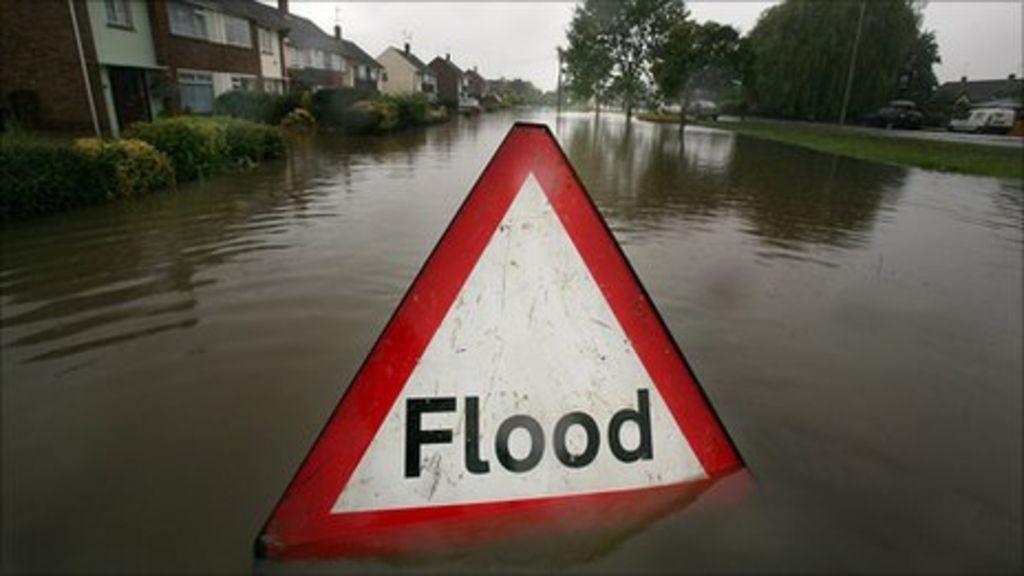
{"x":558,"y":109}
{"x":853,"y":64}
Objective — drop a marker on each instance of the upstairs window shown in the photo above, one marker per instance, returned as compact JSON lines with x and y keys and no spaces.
{"x":186,"y":20}
{"x":237,"y":32}
{"x":316,"y":59}
{"x":119,"y":13}
{"x":336,"y":62}
{"x":266,"y":41}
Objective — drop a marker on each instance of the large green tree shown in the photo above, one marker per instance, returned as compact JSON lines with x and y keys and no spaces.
{"x":802,"y":51}
{"x":697,"y":57}
{"x":612,"y":45}
{"x":917,"y":79}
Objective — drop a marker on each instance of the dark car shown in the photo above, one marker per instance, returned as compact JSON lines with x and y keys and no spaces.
{"x":897,"y":114}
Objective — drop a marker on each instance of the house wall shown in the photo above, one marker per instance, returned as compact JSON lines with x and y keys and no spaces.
{"x":119,"y":46}
{"x":181,"y":52}
{"x":402,"y":76}
{"x":39,"y":52}
{"x":449,"y":83}
{"x":271,"y":64}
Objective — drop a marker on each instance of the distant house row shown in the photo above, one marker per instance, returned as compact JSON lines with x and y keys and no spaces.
{"x":108,"y":63}
{"x":114,"y":62}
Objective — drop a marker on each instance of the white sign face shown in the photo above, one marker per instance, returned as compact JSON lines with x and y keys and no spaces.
{"x":528,"y":389}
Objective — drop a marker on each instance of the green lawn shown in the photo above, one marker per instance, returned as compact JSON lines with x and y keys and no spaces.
{"x":977,"y":159}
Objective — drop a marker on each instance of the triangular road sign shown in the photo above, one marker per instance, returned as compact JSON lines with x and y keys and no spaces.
{"x":525,"y":372}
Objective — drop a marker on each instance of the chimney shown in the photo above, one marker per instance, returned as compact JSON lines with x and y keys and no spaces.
{"x":1011,"y":77}
{"x":337,"y":31}
{"x":448,"y":56}
{"x":406,"y":47}
{"x":963,"y":78}
{"x":282,"y":6}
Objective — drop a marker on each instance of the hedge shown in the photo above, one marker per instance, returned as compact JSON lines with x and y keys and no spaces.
{"x":201,"y":146}
{"x":256,"y":106}
{"x":38,"y":176}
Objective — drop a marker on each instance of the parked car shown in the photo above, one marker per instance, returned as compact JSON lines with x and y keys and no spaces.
{"x":994,"y":120}
{"x":701,"y":109}
{"x":896,"y":114}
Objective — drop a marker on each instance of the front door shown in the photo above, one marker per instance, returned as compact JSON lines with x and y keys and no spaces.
{"x":131,"y":101}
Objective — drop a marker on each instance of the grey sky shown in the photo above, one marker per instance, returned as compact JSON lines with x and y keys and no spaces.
{"x":512,"y":39}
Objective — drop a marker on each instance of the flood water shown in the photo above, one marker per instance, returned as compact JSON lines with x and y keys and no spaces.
{"x":168,"y":362}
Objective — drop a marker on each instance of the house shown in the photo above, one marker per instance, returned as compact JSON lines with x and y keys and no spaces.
{"x":98,"y":66}
{"x":53,"y":65}
{"x":212,"y":46}
{"x":404,"y":73}
{"x":451,"y":81}
{"x":965,"y":94}
{"x":476,"y":85}
{"x":317,"y":60}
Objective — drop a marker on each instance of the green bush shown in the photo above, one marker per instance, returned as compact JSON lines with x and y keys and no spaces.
{"x":413,"y":109}
{"x":333,"y":109}
{"x":250,"y":143}
{"x":300,"y":121}
{"x":200,"y":146}
{"x":256,"y":106}
{"x":137,"y":167}
{"x":38,"y":176}
{"x":196,"y":146}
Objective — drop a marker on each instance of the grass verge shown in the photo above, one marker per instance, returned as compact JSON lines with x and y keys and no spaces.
{"x":963,"y":158}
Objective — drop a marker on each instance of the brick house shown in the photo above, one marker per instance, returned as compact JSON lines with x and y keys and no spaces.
{"x":97,"y":66}
{"x":476,"y":85}
{"x":451,"y":81}
{"x":212,"y":47}
{"x":317,"y":60}
{"x":41,"y":71}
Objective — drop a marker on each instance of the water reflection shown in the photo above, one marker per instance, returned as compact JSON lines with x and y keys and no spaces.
{"x":791,"y":199}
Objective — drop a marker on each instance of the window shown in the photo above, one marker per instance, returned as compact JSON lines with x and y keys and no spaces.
{"x":119,"y":13}
{"x":316,"y":59}
{"x":266,"y":41}
{"x":336,"y":63}
{"x":186,"y":20}
{"x":243,"y":83}
{"x":196,"y":90}
{"x":236,"y":31}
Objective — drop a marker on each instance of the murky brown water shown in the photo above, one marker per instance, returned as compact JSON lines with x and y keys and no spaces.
{"x":168,"y":362}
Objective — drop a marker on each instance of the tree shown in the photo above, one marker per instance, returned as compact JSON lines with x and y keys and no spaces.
{"x":588,"y":62}
{"x":917,"y":80}
{"x":697,"y":57}
{"x":802,"y":51}
{"x":612,"y":44}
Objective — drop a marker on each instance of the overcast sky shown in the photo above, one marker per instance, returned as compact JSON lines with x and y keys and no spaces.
{"x":979,"y":39}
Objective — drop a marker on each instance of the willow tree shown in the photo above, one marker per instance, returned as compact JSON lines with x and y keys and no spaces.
{"x":612,"y":46}
{"x":803,"y":48}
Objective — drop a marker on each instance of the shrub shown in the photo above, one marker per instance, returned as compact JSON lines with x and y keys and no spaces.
{"x":38,"y":176}
{"x":249,"y":143}
{"x":333,"y":109}
{"x":196,"y":146}
{"x":200,"y":146}
{"x":299,"y":120}
{"x":413,"y":109}
{"x":130,"y":167}
{"x":253,"y":106}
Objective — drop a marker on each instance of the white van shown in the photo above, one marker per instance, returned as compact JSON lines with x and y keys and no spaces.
{"x":997,"y":120}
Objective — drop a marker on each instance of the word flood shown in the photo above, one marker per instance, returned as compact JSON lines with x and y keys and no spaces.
{"x":416,"y":436}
